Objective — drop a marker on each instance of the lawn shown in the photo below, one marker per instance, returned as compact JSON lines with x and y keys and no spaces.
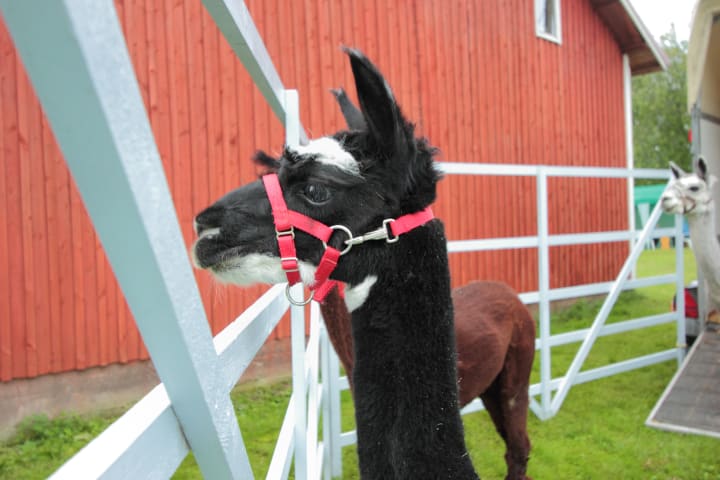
{"x":599,"y":432}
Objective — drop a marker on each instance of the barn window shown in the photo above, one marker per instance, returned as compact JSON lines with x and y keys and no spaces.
{"x":547,"y":19}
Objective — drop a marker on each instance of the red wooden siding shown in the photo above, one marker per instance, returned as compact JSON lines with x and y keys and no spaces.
{"x":472,"y":75}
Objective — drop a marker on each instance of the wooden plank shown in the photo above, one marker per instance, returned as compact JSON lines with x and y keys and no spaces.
{"x":197,"y":154}
{"x":216,"y":311}
{"x":227,"y":168}
{"x":26,"y":226}
{"x":7,"y":63}
{"x":61,"y":250}
{"x":198,"y":159}
{"x":103,"y":278}
{"x":79,"y":243}
{"x":90,"y":290}
{"x":328,"y":51}
{"x":39,"y":243}
{"x":53,"y":297}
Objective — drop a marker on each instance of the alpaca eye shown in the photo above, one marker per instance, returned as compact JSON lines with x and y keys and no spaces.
{"x":316,"y":194}
{"x":694,"y":188}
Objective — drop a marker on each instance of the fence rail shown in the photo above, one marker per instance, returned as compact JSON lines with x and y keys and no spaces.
{"x":76,"y":57}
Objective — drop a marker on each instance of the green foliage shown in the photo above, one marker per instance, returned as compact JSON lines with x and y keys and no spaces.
{"x":660,"y":119}
{"x":41,"y":445}
{"x":598,"y":433}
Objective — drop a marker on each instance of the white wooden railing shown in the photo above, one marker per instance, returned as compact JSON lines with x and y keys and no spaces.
{"x":76,"y":56}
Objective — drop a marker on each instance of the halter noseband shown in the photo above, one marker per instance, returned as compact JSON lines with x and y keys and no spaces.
{"x":287,"y":220}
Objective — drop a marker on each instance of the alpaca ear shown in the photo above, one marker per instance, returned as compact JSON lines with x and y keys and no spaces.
{"x":377,"y":103}
{"x":267,"y":163}
{"x":353,"y":117}
{"x":676,"y":171}
{"x":701,"y":168}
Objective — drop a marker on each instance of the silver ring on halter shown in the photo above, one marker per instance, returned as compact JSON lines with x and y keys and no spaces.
{"x":297,"y":303}
{"x":347,"y":232}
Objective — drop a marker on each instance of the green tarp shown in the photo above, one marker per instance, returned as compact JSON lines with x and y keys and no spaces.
{"x":648,"y":193}
{"x":651,"y":194}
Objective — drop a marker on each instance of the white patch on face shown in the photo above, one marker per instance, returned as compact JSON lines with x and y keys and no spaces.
{"x":329,"y":152}
{"x":258,"y":268}
{"x":356,"y":295}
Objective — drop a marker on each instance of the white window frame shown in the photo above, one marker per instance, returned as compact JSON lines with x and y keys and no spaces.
{"x":540,"y":31}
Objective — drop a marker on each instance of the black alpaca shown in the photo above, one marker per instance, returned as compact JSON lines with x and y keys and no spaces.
{"x":408,"y":423}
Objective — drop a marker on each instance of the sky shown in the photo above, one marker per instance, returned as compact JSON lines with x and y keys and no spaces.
{"x":659,"y":15}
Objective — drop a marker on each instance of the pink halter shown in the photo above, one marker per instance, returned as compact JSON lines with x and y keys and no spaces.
{"x":287,"y":220}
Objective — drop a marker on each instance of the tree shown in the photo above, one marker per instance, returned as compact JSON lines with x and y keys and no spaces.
{"x":661,"y":122}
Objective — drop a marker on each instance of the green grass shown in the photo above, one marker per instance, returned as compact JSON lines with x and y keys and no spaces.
{"x":599,"y":432}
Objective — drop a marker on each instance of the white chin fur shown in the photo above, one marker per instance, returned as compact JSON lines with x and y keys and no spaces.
{"x":356,"y":295}
{"x":672,"y":205}
{"x":258,"y":268}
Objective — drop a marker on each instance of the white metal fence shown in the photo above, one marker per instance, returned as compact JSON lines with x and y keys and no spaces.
{"x":76,"y":56}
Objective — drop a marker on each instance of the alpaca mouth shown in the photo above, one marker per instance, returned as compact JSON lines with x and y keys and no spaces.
{"x":209,"y":253}
{"x":209,"y":233}
{"x":671,"y":205}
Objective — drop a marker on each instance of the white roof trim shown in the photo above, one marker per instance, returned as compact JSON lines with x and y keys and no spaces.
{"x":645,"y":33}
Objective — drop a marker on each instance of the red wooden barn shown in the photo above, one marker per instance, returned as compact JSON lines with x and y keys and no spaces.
{"x":497,"y":81}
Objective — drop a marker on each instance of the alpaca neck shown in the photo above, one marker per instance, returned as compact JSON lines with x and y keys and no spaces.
{"x":707,"y":251}
{"x":413,"y":287}
{"x":405,"y":379}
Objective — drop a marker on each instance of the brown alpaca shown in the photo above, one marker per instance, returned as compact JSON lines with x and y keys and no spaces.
{"x":495,"y":338}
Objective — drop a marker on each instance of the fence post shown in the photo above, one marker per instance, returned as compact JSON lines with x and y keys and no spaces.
{"x":543,"y":292}
{"x":332,"y":464}
{"x":297,"y":316}
{"x":680,"y":287}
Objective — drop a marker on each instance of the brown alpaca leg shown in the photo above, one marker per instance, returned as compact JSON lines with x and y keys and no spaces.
{"x":515,"y":411}
{"x":513,"y":382}
{"x":508,"y":411}
{"x":493,"y":404}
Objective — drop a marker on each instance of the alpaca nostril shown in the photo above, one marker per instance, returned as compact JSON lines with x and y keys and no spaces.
{"x":203,"y":230}
{"x":209,"y":219}
{"x":200,"y":227}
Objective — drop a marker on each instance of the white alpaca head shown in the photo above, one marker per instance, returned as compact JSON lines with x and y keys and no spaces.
{"x":689,"y":193}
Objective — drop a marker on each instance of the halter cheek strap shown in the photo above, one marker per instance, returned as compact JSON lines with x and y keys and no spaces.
{"x":285,"y":223}
{"x":287,"y":220}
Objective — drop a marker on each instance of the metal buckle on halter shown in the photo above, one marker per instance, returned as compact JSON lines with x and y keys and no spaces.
{"x":285,"y":233}
{"x":382,"y":233}
{"x":294,"y":260}
{"x":388,"y":231}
